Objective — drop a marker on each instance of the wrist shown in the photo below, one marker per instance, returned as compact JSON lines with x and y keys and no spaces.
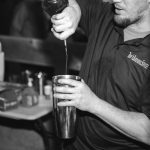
{"x":74,"y":5}
{"x":95,"y":105}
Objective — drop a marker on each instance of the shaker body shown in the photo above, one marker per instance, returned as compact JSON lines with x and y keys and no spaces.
{"x":65,"y":116}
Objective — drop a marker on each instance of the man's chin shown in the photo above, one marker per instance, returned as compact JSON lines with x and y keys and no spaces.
{"x":122,"y":22}
{"x":125,"y":21}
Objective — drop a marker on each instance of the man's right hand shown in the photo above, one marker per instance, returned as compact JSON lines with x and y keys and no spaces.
{"x":66,"y":22}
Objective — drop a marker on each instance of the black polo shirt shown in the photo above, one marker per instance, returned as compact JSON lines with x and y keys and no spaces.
{"x":117,"y":72}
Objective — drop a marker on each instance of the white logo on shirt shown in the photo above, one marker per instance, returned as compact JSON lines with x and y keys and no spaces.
{"x":138,"y":61}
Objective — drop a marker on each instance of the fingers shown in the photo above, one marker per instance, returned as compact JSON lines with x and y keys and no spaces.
{"x":60,"y":27}
{"x":63,"y":89}
{"x":68,"y":99}
{"x":61,"y":19}
{"x":66,"y":103}
{"x":58,"y":16}
{"x":70,"y":90}
{"x":71,"y":82}
{"x":64,"y":96}
{"x":57,"y":22}
{"x":62,"y":35}
{"x":63,"y":26}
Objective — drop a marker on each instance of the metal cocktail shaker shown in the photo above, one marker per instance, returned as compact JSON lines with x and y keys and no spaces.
{"x":65,"y":117}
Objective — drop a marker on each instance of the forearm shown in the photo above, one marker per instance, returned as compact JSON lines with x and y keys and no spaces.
{"x":132,"y":124}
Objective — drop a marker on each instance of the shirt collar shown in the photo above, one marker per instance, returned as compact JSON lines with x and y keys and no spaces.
{"x":139,"y":41}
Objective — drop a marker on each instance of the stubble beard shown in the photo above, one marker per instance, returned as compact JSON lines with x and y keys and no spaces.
{"x":125,"y":22}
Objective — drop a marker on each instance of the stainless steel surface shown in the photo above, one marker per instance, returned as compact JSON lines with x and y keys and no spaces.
{"x":65,"y":117}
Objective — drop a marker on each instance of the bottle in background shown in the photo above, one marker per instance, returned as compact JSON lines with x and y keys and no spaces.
{"x":2,"y":63}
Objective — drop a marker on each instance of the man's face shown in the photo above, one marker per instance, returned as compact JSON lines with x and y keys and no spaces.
{"x":128,"y":12}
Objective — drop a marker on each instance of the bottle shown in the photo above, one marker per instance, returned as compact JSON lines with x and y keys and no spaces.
{"x":54,"y":6}
{"x":48,"y":90}
{"x":2,"y":63}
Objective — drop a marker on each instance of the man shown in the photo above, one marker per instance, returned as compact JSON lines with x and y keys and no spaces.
{"x":114,"y":95}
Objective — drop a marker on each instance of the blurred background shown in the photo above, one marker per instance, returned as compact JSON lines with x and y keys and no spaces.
{"x":29,"y":46}
{"x":24,"y":22}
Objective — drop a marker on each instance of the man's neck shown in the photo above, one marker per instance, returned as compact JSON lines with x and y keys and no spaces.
{"x":143,"y":25}
{"x":130,"y":34}
{"x":137,"y":30}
